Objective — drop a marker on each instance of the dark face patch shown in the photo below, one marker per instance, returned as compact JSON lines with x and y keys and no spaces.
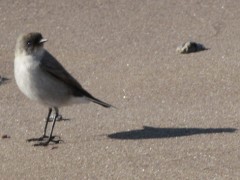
{"x":31,"y":41}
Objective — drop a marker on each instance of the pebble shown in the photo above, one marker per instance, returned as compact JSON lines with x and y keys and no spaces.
{"x":3,"y":79}
{"x":5,"y":136}
{"x":190,"y":47}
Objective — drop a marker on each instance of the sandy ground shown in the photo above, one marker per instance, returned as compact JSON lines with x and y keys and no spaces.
{"x":178,"y":115}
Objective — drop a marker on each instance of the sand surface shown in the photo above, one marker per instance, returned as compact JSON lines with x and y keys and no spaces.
{"x":178,"y":116}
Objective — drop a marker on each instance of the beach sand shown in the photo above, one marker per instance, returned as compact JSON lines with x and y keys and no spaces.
{"x":177,"y":115}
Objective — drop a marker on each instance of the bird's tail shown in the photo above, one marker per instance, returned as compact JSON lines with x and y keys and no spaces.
{"x":97,"y":101}
{"x":83,"y":93}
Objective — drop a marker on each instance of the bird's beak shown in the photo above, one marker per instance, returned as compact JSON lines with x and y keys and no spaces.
{"x":42,"y":41}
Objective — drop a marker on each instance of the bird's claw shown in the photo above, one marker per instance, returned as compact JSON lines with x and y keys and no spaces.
{"x":38,"y":139}
{"x":44,"y":142}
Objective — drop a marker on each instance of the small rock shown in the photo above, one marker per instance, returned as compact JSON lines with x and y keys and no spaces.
{"x":190,"y":47}
{"x":5,"y":136}
{"x":3,"y":79}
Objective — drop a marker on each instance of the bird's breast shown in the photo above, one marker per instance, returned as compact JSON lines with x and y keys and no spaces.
{"x":25,"y":69}
{"x":37,"y":84}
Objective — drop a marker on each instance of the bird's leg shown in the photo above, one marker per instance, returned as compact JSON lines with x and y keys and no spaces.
{"x":59,"y":117}
{"x":50,"y":138}
{"x":47,"y":121}
{"x":45,"y":128}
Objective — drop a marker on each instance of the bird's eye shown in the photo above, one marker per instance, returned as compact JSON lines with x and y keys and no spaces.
{"x":29,"y":43}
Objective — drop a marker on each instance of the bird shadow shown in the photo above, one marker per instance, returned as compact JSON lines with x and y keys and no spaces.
{"x":151,"y":132}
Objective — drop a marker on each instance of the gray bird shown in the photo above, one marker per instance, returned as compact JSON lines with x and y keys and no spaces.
{"x":42,"y":78}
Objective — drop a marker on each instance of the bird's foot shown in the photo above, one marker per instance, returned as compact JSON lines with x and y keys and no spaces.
{"x":48,"y":141}
{"x":45,"y":140}
{"x":38,"y":139}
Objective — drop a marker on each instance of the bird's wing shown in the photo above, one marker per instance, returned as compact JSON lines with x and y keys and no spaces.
{"x":54,"y":68}
{"x":50,"y":65}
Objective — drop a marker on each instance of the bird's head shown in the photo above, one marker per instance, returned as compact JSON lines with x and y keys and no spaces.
{"x":30,"y":44}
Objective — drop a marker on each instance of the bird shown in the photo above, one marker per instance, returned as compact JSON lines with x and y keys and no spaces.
{"x":42,"y":78}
